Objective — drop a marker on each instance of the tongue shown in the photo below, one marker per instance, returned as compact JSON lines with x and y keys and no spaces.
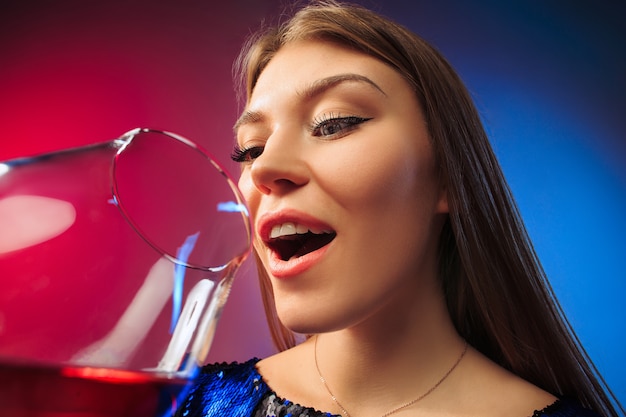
{"x":312,"y":243}
{"x":298,"y":245}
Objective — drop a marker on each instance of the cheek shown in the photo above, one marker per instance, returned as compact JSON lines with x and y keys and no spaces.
{"x":252,"y":198}
{"x":248,"y":190}
{"x":383,"y":176}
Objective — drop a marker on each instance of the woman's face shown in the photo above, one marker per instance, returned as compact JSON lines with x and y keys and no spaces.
{"x":340,"y":177}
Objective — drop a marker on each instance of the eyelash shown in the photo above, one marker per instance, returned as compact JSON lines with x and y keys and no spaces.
{"x":327,"y":120}
{"x":242,"y":155}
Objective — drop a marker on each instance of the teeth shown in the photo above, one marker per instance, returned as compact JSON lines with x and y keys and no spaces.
{"x":290,"y":228}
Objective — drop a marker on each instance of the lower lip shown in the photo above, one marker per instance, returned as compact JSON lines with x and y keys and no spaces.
{"x":295,"y":266}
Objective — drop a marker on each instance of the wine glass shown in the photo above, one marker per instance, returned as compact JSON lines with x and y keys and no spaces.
{"x":116,"y":260}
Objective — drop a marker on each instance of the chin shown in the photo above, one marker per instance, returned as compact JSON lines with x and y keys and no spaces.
{"x":311,"y":321}
{"x":301,"y":321}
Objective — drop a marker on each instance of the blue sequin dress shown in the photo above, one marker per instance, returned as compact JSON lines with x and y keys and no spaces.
{"x":238,"y":390}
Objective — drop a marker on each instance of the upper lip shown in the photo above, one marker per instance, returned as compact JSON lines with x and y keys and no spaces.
{"x":268,"y":220}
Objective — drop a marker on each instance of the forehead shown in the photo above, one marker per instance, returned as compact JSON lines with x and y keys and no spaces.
{"x":297,"y":66}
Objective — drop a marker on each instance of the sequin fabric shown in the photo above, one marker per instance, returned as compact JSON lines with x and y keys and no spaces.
{"x":238,"y":390}
{"x":272,"y":405}
{"x":225,"y":390}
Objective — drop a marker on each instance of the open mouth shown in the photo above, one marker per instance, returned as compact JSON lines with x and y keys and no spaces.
{"x":296,"y":245}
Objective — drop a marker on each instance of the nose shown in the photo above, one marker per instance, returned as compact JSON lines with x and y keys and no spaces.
{"x":281,"y":167}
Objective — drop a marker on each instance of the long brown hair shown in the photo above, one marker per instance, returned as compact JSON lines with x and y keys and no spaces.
{"x":496,"y":290}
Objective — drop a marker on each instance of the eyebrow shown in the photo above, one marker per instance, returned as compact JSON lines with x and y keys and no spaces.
{"x":314,"y":89}
{"x":321,"y":85}
{"x":248,"y":117}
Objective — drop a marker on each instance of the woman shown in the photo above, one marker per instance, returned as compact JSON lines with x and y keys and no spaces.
{"x":386,"y":232}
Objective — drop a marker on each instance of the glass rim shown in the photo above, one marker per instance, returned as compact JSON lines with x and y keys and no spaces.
{"x":122,"y":144}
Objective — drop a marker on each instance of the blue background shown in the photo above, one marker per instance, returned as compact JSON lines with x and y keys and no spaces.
{"x":549,"y":78}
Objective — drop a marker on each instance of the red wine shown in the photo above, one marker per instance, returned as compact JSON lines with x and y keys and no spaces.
{"x":34,"y":391}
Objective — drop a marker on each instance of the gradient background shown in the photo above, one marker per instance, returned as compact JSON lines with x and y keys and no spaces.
{"x":549,"y":78}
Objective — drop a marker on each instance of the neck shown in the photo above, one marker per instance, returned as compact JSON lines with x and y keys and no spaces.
{"x":398,"y":408}
{"x":411,"y":354}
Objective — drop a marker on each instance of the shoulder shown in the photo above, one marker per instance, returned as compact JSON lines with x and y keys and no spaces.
{"x":565,"y":408}
{"x":233,"y":388}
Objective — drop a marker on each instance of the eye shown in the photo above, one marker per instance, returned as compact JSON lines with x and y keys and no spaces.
{"x":329,"y":126}
{"x":243,"y":155}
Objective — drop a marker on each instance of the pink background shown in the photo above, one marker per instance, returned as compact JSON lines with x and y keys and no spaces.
{"x":77,"y":72}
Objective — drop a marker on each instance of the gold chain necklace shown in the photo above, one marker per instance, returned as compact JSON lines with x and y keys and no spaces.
{"x":395,"y":410}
